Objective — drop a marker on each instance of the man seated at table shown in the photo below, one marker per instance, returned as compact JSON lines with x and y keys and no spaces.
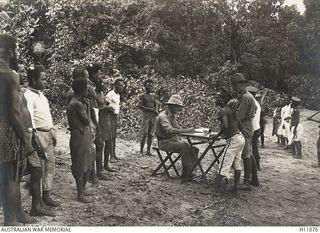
{"x":235,"y":140}
{"x":167,"y":131}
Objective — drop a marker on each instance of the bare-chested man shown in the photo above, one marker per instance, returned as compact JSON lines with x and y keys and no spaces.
{"x":11,"y":130}
{"x":81,"y":140}
{"x":148,"y":105}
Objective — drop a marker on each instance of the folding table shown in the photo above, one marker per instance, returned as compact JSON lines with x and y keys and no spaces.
{"x":200,"y":139}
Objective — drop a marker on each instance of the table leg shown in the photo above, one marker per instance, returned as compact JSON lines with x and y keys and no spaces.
{"x":198,"y":162}
{"x":216,"y":160}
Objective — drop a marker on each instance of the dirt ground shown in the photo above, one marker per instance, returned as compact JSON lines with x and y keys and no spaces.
{"x":288,"y":195}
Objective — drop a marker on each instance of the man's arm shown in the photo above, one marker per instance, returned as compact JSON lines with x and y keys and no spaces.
{"x":15,"y":112}
{"x":167,"y":127}
{"x":81,"y":112}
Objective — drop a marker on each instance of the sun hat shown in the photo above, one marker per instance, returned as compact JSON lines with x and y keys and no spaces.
{"x":238,"y":78}
{"x":296,"y":99}
{"x":175,"y":100}
{"x":252,"y":89}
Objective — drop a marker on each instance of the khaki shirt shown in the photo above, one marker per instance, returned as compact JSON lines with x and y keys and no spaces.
{"x":246,"y":111}
{"x":164,"y":124}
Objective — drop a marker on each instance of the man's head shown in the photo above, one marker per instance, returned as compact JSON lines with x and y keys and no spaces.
{"x":119,"y":86}
{"x":223,"y":97}
{"x":8,"y":50}
{"x":295,"y":102}
{"x":93,"y":71}
{"x":148,"y":84}
{"x":238,"y":83}
{"x":100,"y":86}
{"x":36,"y":77}
{"x":80,"y":87}
{"x":253,"y":90}
{"x":79,"y":72}
{"x":175,"y":104}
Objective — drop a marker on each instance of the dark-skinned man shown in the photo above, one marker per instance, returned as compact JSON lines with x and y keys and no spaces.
{"x":32,"y":165}
{"x":81,"y":140}
{"x":167,"y":131}
{"x":113,"y":98}
{"x":148,"y":106}
{"x":11,"y":130}
{"x":235,"y":140}
{"x":41,"y":118}
{"x":246,"y":112}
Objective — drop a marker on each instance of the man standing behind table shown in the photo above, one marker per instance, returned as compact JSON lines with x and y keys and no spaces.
{"x":149,"y":107}
{"x":235,"y":140}
{"x":256,"y":127}
{"x":39,"y":110}
{"x":167,"y":131}
{"x":113,"y":98}
{"x":246,"y":112}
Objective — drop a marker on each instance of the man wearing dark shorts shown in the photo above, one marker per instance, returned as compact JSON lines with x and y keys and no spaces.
{"x":148,"y":106}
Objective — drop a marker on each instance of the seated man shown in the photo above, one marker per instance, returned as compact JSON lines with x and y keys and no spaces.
{"x":167,"y":131}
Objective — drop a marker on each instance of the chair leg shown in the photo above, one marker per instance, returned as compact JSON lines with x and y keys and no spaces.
{"x":163,"y":164}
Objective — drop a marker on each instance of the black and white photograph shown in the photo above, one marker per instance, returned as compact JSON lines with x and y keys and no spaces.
{"x":159,"y":113}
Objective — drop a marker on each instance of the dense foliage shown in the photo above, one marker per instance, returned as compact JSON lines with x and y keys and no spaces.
{"x":186,"y":46}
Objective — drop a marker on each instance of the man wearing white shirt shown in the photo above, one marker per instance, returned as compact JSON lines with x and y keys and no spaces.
{"x":41,"y":118}
{"x":285,"y":126}
{"x":113,"y":98}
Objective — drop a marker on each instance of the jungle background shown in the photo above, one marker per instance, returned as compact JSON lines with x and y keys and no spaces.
{"x":188,"y":47}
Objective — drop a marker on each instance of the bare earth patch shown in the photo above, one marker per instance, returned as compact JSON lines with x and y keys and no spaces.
{"x":288,"y":195}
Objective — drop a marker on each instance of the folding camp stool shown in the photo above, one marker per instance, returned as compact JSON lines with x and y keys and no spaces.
{"x":168,"y":158}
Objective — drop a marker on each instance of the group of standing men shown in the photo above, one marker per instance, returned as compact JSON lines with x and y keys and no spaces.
{"x":287,"y":126}
{"x":93,"y":123}
{"x":27,"y":139}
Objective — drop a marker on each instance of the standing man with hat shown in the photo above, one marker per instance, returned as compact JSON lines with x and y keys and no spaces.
{"x":167,"y":131}
{"x":296,"y":129}
{"x":246,"y":113}
{"x":256,"y":126}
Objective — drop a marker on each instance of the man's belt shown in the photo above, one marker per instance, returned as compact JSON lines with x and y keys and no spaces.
{"x":43,"y":129}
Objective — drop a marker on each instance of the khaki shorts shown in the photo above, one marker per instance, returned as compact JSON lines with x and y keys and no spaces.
{"x":232,"y":155}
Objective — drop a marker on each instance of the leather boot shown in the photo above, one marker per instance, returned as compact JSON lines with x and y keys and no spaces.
{"x":237,"y":174}
{"x":254,"y":179}
{"x":48,"y":201}
{"x":247,"y":174}
{"x":299,"y":149}
{"x":218,"y":183}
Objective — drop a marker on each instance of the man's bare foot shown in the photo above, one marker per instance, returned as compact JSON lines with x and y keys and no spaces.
{"x":24,"y":218}
{"x":42,"y":212}
{"x":83,"y":199}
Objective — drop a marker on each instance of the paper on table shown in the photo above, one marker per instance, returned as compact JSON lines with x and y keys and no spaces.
{"x":202,"y":130}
